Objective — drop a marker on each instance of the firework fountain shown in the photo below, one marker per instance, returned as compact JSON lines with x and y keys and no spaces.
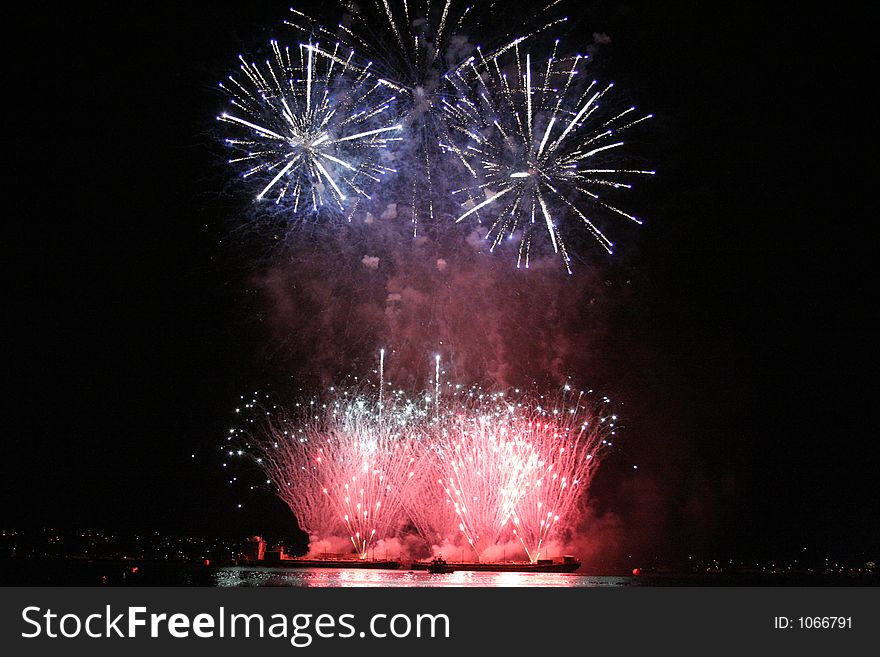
{"x":344,"y":467}
{"x":485,"y":471}
{"x":567,"y":446}
{"x":519,"y":464}
{"x":476,"y":469}
{"x":279,"y":442}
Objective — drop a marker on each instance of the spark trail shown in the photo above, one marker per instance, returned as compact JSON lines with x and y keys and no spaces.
{"x":343,"y":466}
{"x":569,"y":443}
{"x":484,"y":472}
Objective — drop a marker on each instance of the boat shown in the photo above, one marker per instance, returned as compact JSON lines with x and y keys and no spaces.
{"x":567,"y":564}
{"x":439,"y":565}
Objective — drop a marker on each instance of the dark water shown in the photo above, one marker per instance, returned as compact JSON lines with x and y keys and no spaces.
{"x":249,"y":576}
{"x":40,"y":572}
{"x":244,"y":576}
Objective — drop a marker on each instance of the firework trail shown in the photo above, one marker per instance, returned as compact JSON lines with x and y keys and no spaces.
{"x":414,"y":45}
{"x":484,"y":471}
{"x":366,"y":464}
{"x":540,"y":149}
{"x":343,"y":466}
{"x":308,"y":127}
{"x":568,"y":442}
{"x":517,"y":464}
{"x":428,"y":508}
{"x":280,"y":442}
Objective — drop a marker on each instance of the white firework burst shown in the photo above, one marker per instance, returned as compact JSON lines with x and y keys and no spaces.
{"x":309,"y":126}
{"x":414,"y":44}
{"x":540,"y":149}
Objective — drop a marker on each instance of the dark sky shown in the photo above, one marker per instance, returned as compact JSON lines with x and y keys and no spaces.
{"x":744,"y":358}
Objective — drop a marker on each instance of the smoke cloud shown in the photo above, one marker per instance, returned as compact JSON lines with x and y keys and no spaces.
{"x":371,"y":284}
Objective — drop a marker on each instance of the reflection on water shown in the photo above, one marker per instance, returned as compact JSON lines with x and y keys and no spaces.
{"x":251,"y":576}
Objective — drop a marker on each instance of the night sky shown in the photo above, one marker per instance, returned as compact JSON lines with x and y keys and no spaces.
{"x":743,"y":352}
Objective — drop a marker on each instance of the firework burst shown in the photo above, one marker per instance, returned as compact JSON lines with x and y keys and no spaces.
{"x":414,"y":45}
{"x":540,"y":148}
{"x":308,"y":128}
